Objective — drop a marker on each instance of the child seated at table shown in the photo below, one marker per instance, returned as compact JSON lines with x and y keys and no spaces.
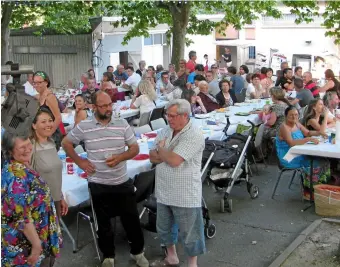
{"x":265,"y":114}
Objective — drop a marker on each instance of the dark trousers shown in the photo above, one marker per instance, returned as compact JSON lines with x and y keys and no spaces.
{"x":111,"y":201}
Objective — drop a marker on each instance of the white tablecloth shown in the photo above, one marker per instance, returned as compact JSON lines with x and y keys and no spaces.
{"x":326,"y":150}
{"x":75,"y":189}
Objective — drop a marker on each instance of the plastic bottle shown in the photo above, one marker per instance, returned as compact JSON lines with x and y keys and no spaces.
{"x":62,"y":157}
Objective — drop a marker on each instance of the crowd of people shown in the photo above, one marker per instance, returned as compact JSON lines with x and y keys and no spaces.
{"x":32,"y":199}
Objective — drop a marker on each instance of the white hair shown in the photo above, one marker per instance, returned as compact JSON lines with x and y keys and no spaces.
{"x":183,"y":106}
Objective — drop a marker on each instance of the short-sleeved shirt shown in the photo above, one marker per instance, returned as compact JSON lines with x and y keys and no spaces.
{"x":168,"y":87}
{"x":26,"y":198}
{"x":181,"y":186}
{"x":121,"y":76}
{"x":133,"y":81}
{"x":250,"y":90}
{"x":191,"y":77}
{"x":304,"y":96}
{"x":227,"y":58}
{"x":101,"y":140}
{"x":214,"y":88}
{"x":190,"y":66}
{"x":283,"y":81}
{"x":237,"y":83}
{"x":144,"y":104}
{"x":279,"y":110}
{"x":88,"y":95}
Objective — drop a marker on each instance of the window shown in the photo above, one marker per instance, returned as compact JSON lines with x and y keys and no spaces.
{"x":148,"y":40}
{"x":155,"y":39}
{"x":252,"y":52}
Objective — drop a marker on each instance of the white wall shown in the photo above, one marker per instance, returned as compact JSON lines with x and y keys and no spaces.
{"x":203,"y":44}
{"x":293,"y":41}
{"x":113,"y":44}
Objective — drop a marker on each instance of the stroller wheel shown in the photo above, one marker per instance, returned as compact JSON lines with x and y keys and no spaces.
{"x":254,"y":191}
{"x":210,"y":231}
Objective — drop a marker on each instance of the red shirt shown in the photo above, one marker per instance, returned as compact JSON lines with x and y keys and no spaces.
{"x":191,"y":65}
{"x":263,"y":76}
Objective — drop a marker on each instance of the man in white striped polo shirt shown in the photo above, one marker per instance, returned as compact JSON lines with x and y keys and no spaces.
{"x":112,"y":191}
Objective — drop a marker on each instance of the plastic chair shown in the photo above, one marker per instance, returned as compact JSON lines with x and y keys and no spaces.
{"x":143,"y":129}
{"x":144,"y":118}
{"x":157,"y":113}
{"x":158,"y":124}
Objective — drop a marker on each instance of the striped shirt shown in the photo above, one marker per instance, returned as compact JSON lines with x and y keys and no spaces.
{"x":101,"y":141}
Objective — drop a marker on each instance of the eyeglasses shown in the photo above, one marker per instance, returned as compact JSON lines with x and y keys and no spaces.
{"x":171,"y":116}
{"x":105,"y":106}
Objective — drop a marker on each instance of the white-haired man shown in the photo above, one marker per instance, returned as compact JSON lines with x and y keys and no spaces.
{"x":178,"y":154}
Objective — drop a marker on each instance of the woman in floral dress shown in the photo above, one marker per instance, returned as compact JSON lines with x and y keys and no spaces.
{"x":30,"y":232}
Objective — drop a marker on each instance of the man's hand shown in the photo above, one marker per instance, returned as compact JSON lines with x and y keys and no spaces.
{"x":63,"y":207}
{"x":86,"y":166}
{"x":161,"y":143}
{"x":113,"y":161}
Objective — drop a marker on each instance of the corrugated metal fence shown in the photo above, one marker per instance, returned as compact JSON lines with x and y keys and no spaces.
{"x":62,"y":57}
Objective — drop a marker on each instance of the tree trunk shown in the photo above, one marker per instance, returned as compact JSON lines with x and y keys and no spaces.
{"x":180,"y":17}
{"x":7,"y":9}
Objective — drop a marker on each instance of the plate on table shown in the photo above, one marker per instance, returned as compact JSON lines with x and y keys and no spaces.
{"x":141,"y":157}
{"x":242,"y":114}
{"x":202,"y":116}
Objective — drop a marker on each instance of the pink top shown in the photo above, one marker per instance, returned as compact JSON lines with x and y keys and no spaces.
{"x":265,"y":118}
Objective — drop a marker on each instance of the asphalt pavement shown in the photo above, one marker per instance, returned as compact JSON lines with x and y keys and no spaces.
{"x":253,"y":235}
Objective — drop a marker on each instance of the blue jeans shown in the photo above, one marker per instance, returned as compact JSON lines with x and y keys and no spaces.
{"x":189,"y":221}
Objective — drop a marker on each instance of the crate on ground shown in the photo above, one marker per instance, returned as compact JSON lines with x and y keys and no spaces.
{"x":327,"y":200}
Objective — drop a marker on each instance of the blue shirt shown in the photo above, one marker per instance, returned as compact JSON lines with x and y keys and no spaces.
{"x":238,"y":83}
{"x":191,"y":77}
{"x":122,"y":76}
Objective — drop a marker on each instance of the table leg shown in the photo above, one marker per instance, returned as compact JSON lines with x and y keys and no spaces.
{"x":310,"y":185}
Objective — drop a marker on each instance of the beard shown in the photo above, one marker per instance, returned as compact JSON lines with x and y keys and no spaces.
{"x":105,"y":116}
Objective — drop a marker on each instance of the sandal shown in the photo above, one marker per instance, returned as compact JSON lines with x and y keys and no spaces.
{"x":163,"y":263}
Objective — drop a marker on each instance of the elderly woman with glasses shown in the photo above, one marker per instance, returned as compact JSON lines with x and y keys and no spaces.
{"x":293,"y":133}
{"x":48,"y":100}
{"x":30,"y":233}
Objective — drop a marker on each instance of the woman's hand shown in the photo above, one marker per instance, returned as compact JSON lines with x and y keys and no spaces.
{"x":63,"y":207}
{"x":314,"y":140}
{"x":34,"y":256}
{"x":198,"y":100}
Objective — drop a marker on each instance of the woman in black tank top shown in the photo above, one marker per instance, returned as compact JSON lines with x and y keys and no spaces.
{"x":332,"y":83}
{"x":316,"y":116}
{"x":48,"y":100}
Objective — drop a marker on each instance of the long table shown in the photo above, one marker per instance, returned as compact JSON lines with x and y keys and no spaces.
{"x":124,"y":113}
{"x":75,"y":188}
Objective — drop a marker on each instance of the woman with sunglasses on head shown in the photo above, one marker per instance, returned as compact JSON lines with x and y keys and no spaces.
{"x":48,"y":100}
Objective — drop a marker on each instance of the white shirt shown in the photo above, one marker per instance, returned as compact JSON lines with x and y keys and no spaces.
{"x":250,"y":89}
{"x":330,"y":114}
{"x":29,"y":90}
{"x":133,"y":81}
{"x":144,"y":104}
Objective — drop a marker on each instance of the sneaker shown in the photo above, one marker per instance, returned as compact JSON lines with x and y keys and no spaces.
{"x":108,"y":262}
{"x":140,"y":259}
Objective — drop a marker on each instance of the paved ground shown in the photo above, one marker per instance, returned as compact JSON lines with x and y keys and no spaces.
{"x":273,"y":224}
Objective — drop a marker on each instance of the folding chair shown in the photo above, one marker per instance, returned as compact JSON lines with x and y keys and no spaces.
{"x":92,"y":220}
{"x":157,"y":113}
{"x":144,"y":118}
{"x":158,"y":124}
{"x":285,"y":169}
{"x":143,"y":129}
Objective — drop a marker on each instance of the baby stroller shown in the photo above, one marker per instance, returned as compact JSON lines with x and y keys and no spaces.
{"x":144,"y":182}
{"x":229,"y":164}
